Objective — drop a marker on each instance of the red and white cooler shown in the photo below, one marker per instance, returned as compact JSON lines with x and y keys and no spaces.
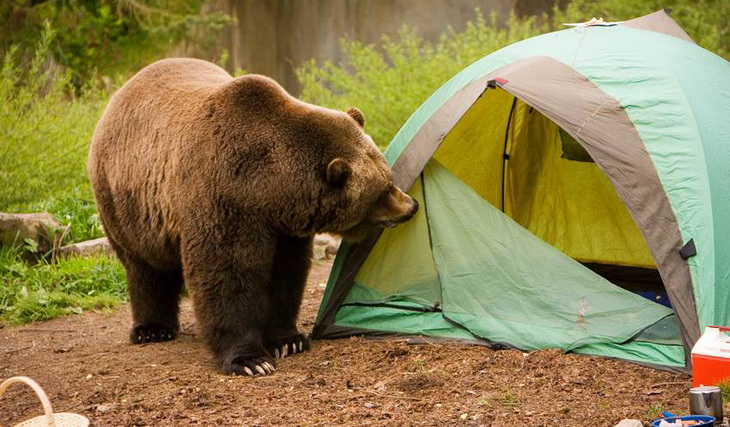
{"x":711,"y":357}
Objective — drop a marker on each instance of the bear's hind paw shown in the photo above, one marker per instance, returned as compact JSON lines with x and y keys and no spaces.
{"x":152,"y":333}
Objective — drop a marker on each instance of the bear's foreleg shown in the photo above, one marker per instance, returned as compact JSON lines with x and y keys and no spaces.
{"x":289,"y":277}
{"x":228,"y":279}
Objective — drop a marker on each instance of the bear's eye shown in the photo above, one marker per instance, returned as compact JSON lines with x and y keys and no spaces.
{"x":383,"y":198}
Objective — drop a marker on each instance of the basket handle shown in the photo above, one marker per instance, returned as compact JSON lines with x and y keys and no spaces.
{"x":50,"y":419}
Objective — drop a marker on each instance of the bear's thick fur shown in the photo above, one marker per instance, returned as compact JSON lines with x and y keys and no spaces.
{"x":220,"y":183}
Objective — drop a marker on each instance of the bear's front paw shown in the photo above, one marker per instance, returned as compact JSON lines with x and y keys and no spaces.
{"x":255,"y":366}
{"x":289,"y":345}
{"x":152,"y":333}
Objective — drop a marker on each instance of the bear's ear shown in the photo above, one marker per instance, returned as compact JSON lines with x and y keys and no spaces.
{"x":337,"y":172}
{"x":357,"y":115}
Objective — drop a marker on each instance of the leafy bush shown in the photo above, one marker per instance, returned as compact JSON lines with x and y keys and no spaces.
{"x":388,"y":82}
{"x":706,"y":21}
{"x":72,"y":285}
{"x":115,"y":36}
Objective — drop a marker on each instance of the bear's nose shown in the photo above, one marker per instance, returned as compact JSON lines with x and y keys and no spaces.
{"x":414,"y":209}
{"x":410,"y":213}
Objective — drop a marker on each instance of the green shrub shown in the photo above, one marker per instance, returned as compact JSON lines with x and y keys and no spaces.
{"x":109,"y":37}
{"x":45,"y":129}
{"x":706,"y":21}
{"x":388,"y":82}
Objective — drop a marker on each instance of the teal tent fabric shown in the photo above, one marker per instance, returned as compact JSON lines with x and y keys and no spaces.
{"x":499,"y":283}
{"x":516,"y":288}
{"x":678,"y":96}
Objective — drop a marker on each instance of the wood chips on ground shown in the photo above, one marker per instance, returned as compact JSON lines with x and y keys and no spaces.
{"x":86,"y":365}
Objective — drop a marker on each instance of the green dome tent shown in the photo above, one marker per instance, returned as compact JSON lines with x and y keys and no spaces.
{"x":559,"y":177}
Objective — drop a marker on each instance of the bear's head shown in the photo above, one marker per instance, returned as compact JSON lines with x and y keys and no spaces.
{"x":311,"y":169}
{"x":359,"y":186}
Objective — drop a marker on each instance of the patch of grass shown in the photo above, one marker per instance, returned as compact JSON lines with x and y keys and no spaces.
{"x":416,"y":365}
{"x":655,"y":411}
{"x":44,"y":291}
{"x":510,"y":400}
{"x":486,"y":402}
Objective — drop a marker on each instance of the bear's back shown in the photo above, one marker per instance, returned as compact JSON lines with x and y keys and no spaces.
{"x":135,"y":150}
{"x":176,"y":76}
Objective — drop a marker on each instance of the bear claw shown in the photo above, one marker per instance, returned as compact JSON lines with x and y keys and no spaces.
{"x":290,"y":345}
{"x":151,"y":333}
{"x":251,"y":367}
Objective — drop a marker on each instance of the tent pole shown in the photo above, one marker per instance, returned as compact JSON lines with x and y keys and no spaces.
{"x":505,"y":156}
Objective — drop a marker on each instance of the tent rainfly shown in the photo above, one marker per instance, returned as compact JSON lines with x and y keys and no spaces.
{"x":562,"y":180}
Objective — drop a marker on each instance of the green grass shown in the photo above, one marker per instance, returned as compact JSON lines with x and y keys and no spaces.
{"x":655,"y":411}
{"x":44,"y":291}
{"x":510,"y":400}
{"x":45,"y":129}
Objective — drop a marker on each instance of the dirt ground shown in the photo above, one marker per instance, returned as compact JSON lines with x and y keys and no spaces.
{"x":86,"y":366}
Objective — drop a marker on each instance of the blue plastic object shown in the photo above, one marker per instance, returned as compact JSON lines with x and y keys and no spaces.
{"x":705,"y":420}
{"x":658,"y":297}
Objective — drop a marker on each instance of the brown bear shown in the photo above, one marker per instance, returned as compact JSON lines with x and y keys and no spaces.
{"x":220,"y":183}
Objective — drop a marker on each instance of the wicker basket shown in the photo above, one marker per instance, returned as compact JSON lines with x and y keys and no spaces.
{"x":62,"y":419}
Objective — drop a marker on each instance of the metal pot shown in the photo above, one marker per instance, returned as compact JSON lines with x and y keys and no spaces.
{"x":706,"y":400}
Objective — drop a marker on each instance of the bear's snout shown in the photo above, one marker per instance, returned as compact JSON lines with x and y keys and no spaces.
{"x":404,"y":218}
{"x":398,"y":207}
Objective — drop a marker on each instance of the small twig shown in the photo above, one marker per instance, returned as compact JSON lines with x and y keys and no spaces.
{"x":666,"y":384}
{"x":46,"y":330}
{"x":76,"y":405}
{"x":149,"y":383}
{"x":390,"y":396}
{"x":18,"y":349}
{"x":57,"y":241}
{"x":103,"y":353}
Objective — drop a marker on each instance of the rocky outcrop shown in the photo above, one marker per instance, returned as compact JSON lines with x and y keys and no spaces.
{"x":87,"y":248}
